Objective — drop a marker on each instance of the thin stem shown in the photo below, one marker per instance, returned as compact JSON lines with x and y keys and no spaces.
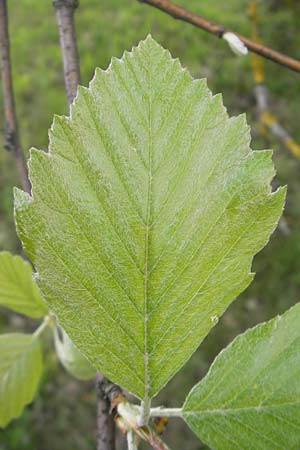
{"x":105,"y":423}
{"x":145,"y":412}
{"x":12,"y":140}
{"x":132,"y":442}
{"x":47,"y":322}
{"x":180,"y":13}
{"x":149,"y":435}
{"x":128,"y":419}
{"x":261,"y":91}
{"x":64,"y":10}
{"x":132,"y":412}
{"x":166,"y":412}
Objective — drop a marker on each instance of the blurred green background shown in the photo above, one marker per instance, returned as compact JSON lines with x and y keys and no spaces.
{"x":63,"y":414}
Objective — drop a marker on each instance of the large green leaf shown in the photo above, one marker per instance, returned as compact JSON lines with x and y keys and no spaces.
{"x":18,"y":291}
{"x":144,"y":216}
{"x":73,"y":361}
{"x":20,"y":372}
{"x":250,"y":399}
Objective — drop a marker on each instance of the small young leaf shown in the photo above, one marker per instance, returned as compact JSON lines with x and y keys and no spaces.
{"x":145,"y":216}
{"x":18,"y":291}
{"x":250,"y":398}
{"x":20,"y":372}
{"x":71,"y":358}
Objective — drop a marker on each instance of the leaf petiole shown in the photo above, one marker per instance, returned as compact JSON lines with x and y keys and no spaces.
{"x":132,"y":440}
{"x":165,"y":412}
{"x":145,"y":409}
{"x":132,"y":413}
{"x":47,"y":322}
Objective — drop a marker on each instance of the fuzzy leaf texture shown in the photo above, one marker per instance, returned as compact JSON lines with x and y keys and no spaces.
{"x":145,"y":215}
{"x":20,"y":372}
{"x":18,"y":290}
{"x":250,"y":398}
{"x":71,"y":358}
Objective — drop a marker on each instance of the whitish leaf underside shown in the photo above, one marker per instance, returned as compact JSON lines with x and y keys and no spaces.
{"x":250,"y":399}
{"x":20,"y":371}
{"x":145,"y":215}
{"x":72,"y":360}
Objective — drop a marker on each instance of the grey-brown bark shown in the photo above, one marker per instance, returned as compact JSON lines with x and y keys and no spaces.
{"x":107,"y":393}
{"x":12,"y":140}
{"x":64,"y":10}
{"x":180,"y":13}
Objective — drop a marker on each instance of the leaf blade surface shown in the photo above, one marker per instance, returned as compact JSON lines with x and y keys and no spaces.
{"x":20,"y":372}
{"x":250,"y":397}
{"x":18,"y":290}
{"x":124,"y":215}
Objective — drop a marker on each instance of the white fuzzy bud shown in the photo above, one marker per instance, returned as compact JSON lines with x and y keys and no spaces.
{"x":236,"y":45}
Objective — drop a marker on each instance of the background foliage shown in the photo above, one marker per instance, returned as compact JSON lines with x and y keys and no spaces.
{"x":62,"y":417}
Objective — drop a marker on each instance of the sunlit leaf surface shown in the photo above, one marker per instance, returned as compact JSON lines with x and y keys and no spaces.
{"x":20,"y":372}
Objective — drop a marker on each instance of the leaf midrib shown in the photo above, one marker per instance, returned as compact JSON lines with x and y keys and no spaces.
{"x":147,"y":242}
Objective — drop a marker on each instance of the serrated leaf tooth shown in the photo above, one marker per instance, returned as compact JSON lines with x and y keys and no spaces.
{"x":21,"y":198}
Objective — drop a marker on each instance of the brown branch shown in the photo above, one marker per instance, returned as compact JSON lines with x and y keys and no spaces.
{"x":64,"y":10}
{"x":106,"y":391}
{"x":180,"y":13}
{"x":106,"y":433}
{"x":127,"y":419}
{"x":267,"y":119}
{"x":12,"y":140}
{"x":149,"y":435}
{"x":107,"y":396}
